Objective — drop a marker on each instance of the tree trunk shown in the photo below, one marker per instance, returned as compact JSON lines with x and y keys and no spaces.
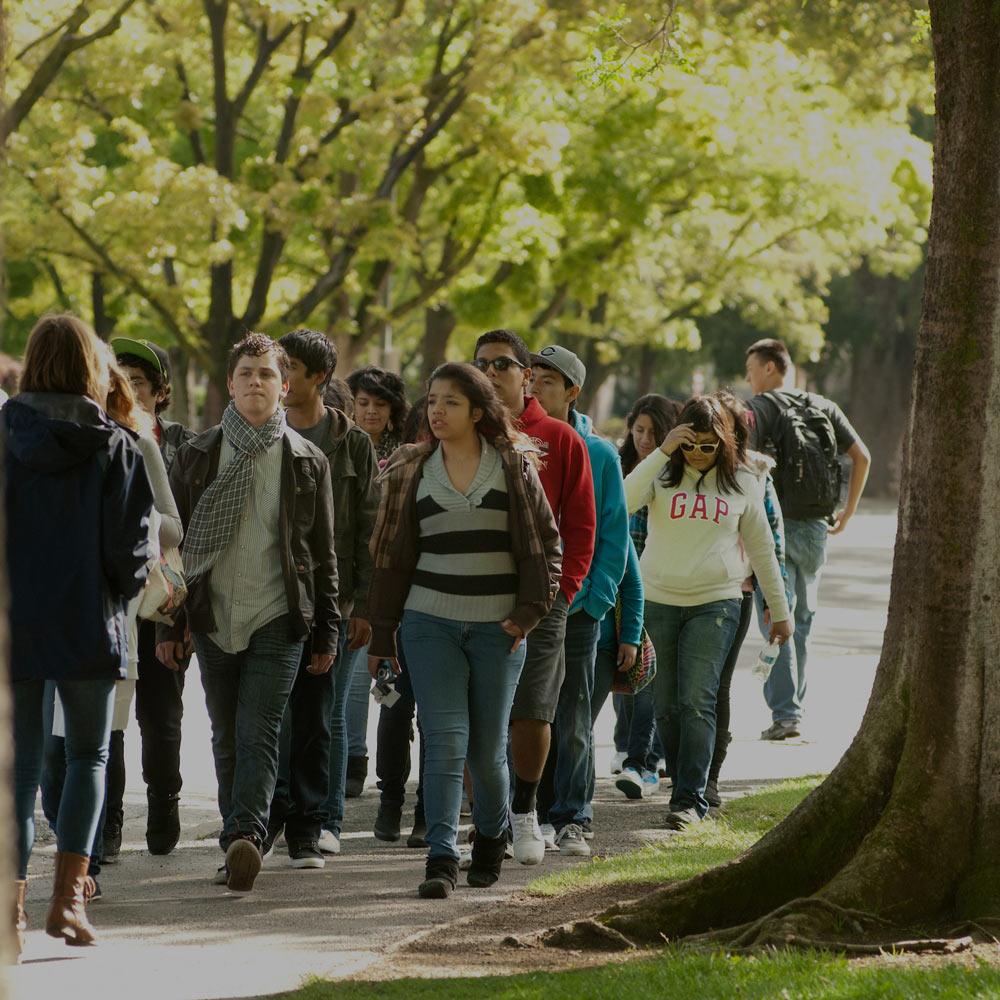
{"x":104,"y":324}
{"x":647,"y":361}
{"x":180,"y":391}
{"x":439,"y":322}
{"x":906,"y":826}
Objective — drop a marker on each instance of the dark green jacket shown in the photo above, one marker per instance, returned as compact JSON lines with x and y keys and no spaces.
{"x":353,"y":469}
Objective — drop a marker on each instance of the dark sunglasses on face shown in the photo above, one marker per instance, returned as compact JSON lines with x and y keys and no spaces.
{"x":499,"y":364}
{"x":705,"y":449}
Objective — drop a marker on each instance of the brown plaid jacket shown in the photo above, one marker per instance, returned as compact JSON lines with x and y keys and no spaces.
{"x":395,"y":544}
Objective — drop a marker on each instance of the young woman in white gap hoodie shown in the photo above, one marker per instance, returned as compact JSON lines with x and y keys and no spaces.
{"x":702,"y":504}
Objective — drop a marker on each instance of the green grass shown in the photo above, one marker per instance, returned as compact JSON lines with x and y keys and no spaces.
{"x":678,"y":973}
{"x":786,"y":976}
{"x":685,"y":854}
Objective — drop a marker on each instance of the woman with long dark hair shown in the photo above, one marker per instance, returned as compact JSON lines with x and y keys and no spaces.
{"x":68,"y":467}
{"x":637,"y":745}
{"x":705,"y":511}
{"x":467,"y":557}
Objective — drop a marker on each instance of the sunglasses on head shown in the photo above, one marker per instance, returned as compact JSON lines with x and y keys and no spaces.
{"x":705,"y":449}
{"x":499,"y":364}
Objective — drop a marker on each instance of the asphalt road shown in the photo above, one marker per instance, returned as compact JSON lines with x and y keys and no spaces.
{"x":167,"y":932}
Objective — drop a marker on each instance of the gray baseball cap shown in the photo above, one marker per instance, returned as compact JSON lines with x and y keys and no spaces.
{"x":564,"y":361}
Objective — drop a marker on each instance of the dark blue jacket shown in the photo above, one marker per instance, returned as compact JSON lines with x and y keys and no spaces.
{"x":78,"y":503}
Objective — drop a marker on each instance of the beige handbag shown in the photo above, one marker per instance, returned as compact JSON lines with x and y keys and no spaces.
{"x":165,"y":589}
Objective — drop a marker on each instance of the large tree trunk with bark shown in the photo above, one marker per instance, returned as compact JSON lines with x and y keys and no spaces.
{"x":439,"y":323}
{"x":902,"y":836}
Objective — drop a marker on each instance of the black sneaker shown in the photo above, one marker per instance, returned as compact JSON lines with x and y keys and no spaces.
{"x":306,"y":854}
{"x":712,"y":796}
{"x":387,"y":822}
{"x":357,"y":774}
{"x":680,"y":819}
{"x":112,"y":844}
{"x":163,"y":823}
{"x":243,"y":861}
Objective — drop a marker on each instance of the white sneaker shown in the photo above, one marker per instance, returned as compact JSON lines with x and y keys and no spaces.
{"x":617,"y":760}
{"x":549,"y":836}
{"x":329,"y":843}
{"x":529,"y":845}
{"x":570,"y":841}
{"x":650,"y":783}
{"x":464,"y":859}
{"x":630,"y":782}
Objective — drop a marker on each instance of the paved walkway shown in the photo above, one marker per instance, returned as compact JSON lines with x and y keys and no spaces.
{"x":167,"y":932}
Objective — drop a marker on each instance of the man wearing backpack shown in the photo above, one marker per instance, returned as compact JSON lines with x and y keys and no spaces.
{"x":806,"y":434}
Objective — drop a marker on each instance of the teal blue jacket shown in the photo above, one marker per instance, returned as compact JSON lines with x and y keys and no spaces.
{"x":600,"y":588}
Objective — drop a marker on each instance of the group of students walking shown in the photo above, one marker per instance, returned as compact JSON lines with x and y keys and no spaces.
{"x":496,"y":565}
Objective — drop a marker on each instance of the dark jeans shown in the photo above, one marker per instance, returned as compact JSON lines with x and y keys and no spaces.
{"x":395,"y":733}
{"x":246,"y":694}
{"x":159,"y":709}
{"x":634,"y":721}
{"x":299,"y":803}
{"x":87,"y":705}
{"x":692,"y":644}
{"x":572,"y":743}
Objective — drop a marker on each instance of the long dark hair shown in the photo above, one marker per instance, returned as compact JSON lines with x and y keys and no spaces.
{"x":707,"y":414}
{"x":479,"y":391}
{"x":663,"y":414}
{"x":741,"y":430}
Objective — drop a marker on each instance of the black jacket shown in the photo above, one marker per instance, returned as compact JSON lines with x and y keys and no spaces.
{"x":78,"y":504}
{"x":353,"y":469}
{"x":306,"y":530}
{"x":172,"y":437}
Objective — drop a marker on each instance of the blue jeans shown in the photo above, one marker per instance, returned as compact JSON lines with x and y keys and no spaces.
{"x":358,"y":704}
{"x":691,"y":649}
{"x":464,"y":676}
{"x":348,"y":669}
{"x":87,"y":705}
{"x":574,"y":728}
{"x":805,"y":555}
{"x":246,"y":694}
{"x":634,"y":720}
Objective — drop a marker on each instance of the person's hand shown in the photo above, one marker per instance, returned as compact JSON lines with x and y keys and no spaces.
{"x":359,"y":633}
{"x":681,"y":434}
{"x":374,"y":662}
{"x":626,"y":656}
{"x":840,"y":523}
{"x":171,"y":654}
{"x":781,"y":632}
{"x":320,"y":663}
{"x":513,"y":629}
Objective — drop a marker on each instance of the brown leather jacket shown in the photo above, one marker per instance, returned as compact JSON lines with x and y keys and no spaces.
{"x":306,"y":530}
{"x":396,"y":542}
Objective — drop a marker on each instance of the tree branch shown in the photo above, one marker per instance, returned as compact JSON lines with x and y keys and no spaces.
{"x":48,"y":69}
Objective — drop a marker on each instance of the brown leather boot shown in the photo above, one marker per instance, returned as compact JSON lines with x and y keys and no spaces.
{"x":20,"y":920}
{"x":67,"y":917}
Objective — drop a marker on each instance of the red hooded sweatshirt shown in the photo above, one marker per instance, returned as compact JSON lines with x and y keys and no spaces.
{"x":569,"y":487}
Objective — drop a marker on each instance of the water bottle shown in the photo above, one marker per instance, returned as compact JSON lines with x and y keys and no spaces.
{"x":766,"y":660}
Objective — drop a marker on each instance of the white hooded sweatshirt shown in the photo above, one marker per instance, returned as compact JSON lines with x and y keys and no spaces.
{"x":693,"y":554}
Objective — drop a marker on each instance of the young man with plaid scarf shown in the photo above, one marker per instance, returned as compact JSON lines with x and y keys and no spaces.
{"x":257,"y":507}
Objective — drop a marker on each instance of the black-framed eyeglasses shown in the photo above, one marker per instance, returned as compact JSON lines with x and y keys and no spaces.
{"x":705,"y":449}
{"x":500,"y":364}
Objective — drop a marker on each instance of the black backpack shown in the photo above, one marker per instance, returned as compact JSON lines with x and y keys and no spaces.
{"x":808,"y":474}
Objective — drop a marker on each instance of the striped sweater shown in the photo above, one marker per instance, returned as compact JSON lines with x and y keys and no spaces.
{"x":466,"y":569}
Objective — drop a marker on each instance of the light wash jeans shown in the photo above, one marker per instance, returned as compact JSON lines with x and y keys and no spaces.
{"x":805,"y":555}
{"x":87,"y":705}
{"x":358,"y":704}
{"x":464,"y":676}
{"x":348,"y":668}
{"x":691,"y":644}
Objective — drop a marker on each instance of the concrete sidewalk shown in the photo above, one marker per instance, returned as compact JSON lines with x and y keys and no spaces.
{"x":167,"y":933}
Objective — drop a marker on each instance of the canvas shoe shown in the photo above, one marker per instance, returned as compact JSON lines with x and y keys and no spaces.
{"x":570,"y":841}
{"x":328,"y":843}
{"x":630,"y":782}
{"x":306,"y":854}
{"x":529,"y":845}
{"x":650,"y":783}
{"x":549,"y":836}
{"x":783,"y":730}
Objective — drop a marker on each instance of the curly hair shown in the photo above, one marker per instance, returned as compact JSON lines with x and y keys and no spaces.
{"x":256,"y":345}
{"x":375,"y":381}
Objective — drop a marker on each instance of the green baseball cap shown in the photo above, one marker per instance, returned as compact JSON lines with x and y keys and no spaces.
{"x":145,"y":349}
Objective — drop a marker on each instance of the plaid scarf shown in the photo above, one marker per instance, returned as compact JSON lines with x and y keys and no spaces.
{"x":214,"y":518}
